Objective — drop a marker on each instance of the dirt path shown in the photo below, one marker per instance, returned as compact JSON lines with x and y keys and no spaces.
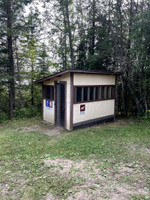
{"x":46,"y":129}
{"x":53,"y":132}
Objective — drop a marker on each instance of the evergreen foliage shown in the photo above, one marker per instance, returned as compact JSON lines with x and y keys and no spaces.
{"x":83,"y":34}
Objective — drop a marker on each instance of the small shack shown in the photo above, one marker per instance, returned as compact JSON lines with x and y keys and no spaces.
{"x":76,"y":98}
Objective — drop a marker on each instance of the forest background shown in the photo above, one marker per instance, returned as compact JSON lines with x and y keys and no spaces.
{"x":40,"y":37}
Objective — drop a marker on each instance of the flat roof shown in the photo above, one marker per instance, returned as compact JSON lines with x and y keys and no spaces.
{"x":76,"y":71}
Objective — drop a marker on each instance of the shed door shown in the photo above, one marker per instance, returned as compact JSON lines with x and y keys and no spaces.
{"x":60,"y":104}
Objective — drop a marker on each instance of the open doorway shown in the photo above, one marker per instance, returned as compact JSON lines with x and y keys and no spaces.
{"x":60,"y":103}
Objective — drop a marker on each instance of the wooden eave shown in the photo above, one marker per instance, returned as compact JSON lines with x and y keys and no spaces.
{"x":76,"y":71}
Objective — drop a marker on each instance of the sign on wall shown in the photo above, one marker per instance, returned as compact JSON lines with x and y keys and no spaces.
{"x":49,"y":104}
{"x":82,"y":109}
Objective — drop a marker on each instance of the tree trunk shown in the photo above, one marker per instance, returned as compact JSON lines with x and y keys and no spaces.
{"x":137,"y":102}
{"x":126,"y":97}
{"x":145,"y":102}
{"x":32,"y":87}
{"x":116,"y":102}
{"x":143,"y":78}
{"x":10,"y":60}
{"x":18,"y":76}
{"x":93,"y":28}
{"x":70,"y":35}
{"x":65,"y":53}
{"x":64,"y":40}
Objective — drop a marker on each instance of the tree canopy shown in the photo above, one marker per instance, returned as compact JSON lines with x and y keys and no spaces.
{"x":39,"y":37}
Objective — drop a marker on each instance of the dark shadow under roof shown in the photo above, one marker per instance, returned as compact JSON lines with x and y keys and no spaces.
{"x":76,"y":71}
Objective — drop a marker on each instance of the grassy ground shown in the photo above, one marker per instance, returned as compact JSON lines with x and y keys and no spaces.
{"x":110,"y":161}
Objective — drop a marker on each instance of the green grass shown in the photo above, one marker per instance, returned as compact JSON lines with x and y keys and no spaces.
{"x":139,"y":197}
{"x":22,"y":154}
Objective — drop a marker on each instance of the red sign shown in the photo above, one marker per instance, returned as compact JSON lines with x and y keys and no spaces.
{"x":82,"y":108}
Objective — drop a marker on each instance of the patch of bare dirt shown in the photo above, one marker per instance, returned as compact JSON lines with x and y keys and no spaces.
{"x":50,"y":196}
{"x":50,"y":130}
{"x":5,"y":190}
{"x":147,"y":150}
{"x":117,"y":196}
{"x":126,"y":189}
{"x":53,"y":132}
{"x":14,"y":185}
{"x":126,"y":170}
{"x":133,"y":147}
{"x":63,"y":165}
{"x":98,"y":183}
{"x":30,"y":128}
{"x":81,"y":195}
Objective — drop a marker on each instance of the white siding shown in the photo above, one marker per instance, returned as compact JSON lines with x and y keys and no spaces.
{"x":93,"y":110}
{"x":93,"y":79}
{"x":48,"y":114}
{"x":65,"y":77}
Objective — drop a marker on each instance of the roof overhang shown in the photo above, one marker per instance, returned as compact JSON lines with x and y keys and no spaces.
{"x":76,"y":71}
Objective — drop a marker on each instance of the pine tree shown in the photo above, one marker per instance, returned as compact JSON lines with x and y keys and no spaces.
{"x":9,"y":11}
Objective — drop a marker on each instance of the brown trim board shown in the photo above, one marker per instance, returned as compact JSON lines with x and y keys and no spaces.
{"x":92,"y":101}
{"x":43,"y":89}
{"x":92,"y":122}
{"x":93,"y":85}
{"x":115,"y":98}
{"x":55,"y":100}
{"x":65,"y":123}
{"x":71,"y":99}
